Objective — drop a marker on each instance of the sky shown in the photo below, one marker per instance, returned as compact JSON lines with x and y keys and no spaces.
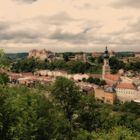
{"x":69,"y":25}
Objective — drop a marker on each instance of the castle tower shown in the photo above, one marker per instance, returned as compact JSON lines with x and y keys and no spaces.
{"x":106,"y":67}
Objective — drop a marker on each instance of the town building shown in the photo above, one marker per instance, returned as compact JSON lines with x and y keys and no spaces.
{"x":41,"y":54}
{"x":81,"y":57}
{"x":112,"y":79}
{"x":125,"y":84}
{"x":137,"y":54}
{"x":127,"y":92}
{"x":87,"y":87}
{"x":106,"y":96}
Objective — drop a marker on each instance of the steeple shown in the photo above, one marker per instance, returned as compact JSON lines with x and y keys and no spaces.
{"x":106,"y":54}
{"x":106,"y":67}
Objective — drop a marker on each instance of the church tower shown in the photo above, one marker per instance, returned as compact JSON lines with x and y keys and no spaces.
{"x":106,"y":67}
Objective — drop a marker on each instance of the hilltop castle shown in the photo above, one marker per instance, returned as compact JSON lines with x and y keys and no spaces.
{"x":41,"y":54}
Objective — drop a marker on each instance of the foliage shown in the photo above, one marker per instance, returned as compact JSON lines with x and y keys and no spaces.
{"x":57,"y":65}
{"x":4,"y":60}
{"x":66,"y":113}
{"x":31,"y":65}
{"x":68,"y":95}
{"x":117,"y":133}
{"x":4,"y":78}
{"x":91,"y":59}
{"x":100,"y":60}
{"x":28,"y":65}
{"x":96,"y":81}
{"x":133,"y":66}
{"x":28,"y":115}
{"x":78,"y":67}
{"x":116,"y":64}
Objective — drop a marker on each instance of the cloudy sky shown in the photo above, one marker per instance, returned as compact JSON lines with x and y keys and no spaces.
{"x":69,"y":25}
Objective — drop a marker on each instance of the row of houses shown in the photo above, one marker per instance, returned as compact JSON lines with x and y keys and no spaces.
{"x":29,"y":79}
{"x":116,"y":87}
{"x":75,"y":77}
{"x":126,"y":88}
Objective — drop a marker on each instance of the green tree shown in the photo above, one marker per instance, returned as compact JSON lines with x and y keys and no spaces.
{"x":4,"y":78}
{"x":100,"y":60}
{"x":89,"y":115}
{"x":68,"y":95}
{"x":96,"y":81}
{"x":116,"y":64}
{"x":27,"y":115}
{"x":117,"y":133}
{"x":4,"y":60}
{"x":78,"y":67}
{"x":91,"y":59}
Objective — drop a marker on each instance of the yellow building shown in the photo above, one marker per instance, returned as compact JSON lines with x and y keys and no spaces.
{"x":105,"y":96}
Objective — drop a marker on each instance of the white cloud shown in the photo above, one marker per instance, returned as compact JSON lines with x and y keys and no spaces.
{"x":69,"y":25}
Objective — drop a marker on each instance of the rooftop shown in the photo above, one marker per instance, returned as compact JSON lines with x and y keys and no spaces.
{"x":126,"y":86}
{"x":112,"y":77}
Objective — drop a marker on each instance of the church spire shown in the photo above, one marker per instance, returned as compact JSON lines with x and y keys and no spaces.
{"x":106,"y":67}
{"x":106,"y":53}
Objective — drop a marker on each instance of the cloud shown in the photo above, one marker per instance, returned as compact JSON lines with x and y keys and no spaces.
{"x":69,"y":25}
{"x":134,"y":27}
{"x":17,"y":35}
{"x":85,"y":36}
{"x":126,"y":3}
{"x":34,"y":29}
{"x":60,"y":18}
{"x":69,"y":37}
{"x":4,"y":26}
{"x":26,"y":1}
{"x":85,"y":6}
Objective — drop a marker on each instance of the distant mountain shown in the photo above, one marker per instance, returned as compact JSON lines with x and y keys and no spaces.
{"x":17,"y":56}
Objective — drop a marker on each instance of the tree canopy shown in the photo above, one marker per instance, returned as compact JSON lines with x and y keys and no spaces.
{"x":4,"y":60}
{"x":64,"y":113}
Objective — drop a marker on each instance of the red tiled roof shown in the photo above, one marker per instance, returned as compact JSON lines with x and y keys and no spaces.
{"x":112,"y":77}
{"x":95,"y":75}
{"x":126,"y":86}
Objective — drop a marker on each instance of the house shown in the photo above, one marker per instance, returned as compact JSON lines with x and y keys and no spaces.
{"x":125,"y":79}
{"x":105,"y":96}
{"x":81,"y":57}
{"x":127,"y":92}
{"x":137,"y":54}
{"x":130,"y":73}
{"x":86,"y":87}
{"x":95,"y":75}
{"x":41,"y":72}
{"x":80,"y":77}
{"x":112,"y":79}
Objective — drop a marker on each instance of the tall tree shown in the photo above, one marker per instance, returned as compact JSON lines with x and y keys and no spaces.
{"x":68,"y":95}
